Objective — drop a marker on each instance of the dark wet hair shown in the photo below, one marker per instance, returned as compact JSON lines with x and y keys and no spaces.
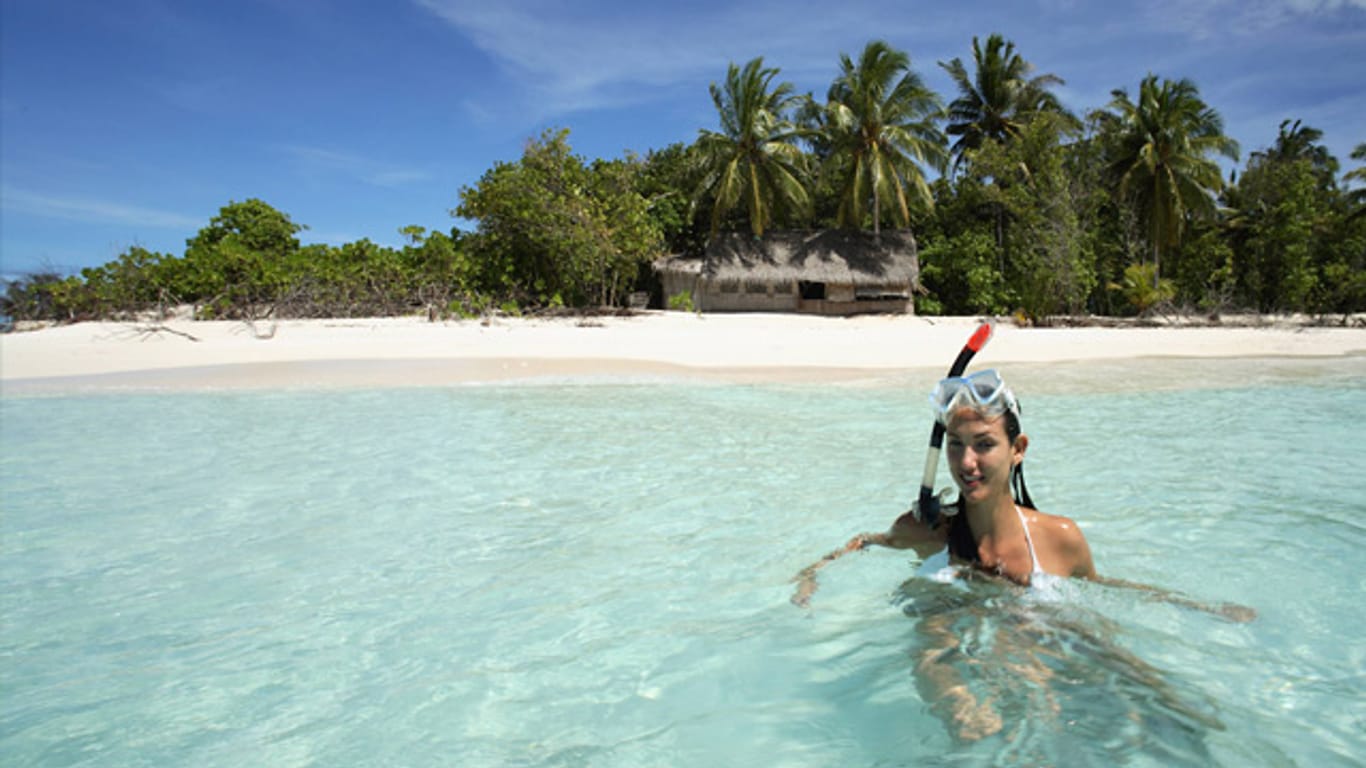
{"x":961,"y":542}
{"x":1017,"y":482}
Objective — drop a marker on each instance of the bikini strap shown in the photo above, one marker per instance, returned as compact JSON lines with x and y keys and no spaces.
{"x":1029,"y":541}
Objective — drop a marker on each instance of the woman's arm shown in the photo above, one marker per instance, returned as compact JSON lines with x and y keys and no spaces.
{"x":1068,"y":544}
{"x":806,"y":577}
{"x":906,"y":532}
{"x":1230,"y":611}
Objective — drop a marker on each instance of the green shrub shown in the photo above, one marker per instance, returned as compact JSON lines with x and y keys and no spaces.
{"x":681,"y":302}
{"x":1141,"y":290}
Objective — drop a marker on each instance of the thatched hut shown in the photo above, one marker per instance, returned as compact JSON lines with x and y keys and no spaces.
{"x":827,"y":272}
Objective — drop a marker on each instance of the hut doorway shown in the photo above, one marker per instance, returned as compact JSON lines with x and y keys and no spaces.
{"x":811,"y":290}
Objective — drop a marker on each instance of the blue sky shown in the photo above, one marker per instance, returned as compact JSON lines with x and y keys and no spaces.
{"x":132,"y":122}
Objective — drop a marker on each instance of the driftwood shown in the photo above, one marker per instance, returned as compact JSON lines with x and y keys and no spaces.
{"x":257,"y":333}
{"x":1183,"y":319}
{"x":145,"y":331}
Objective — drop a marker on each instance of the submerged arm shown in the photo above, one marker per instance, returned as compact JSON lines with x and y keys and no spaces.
{"x":906,"y":533}
{"x":806,"y":577}
{"x":1230,"y":611}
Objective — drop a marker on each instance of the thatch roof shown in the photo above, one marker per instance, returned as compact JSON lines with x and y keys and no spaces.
{"x":829,"y":256}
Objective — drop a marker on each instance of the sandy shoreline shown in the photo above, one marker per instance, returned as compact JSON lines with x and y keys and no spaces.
{"x":745,"y":347}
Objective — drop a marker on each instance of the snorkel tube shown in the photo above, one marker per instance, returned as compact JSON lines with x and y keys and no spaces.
{"x":927,"y":504}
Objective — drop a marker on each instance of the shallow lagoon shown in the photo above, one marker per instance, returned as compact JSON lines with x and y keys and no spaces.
{"x":598,"y":573}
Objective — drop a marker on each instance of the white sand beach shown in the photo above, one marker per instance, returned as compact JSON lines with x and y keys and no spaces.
{"x":412,"y":351}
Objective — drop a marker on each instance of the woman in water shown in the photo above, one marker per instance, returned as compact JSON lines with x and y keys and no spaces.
{"x":993,"y":525}
{"x":994,"y":529}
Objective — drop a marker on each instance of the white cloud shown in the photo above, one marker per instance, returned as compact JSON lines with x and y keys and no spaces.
{"x":363,"y":169}
{"x":575,"y":61}
{"x":1313,"y":6}
{"x":398,"y":177}
{"x":571,"y":58}
{"x":557,"y":59}
{"x":1205,"y":19}
{"x":94,"y":211}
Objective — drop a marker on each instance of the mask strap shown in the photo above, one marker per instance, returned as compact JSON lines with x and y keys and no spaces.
{"x":1017,"y":485}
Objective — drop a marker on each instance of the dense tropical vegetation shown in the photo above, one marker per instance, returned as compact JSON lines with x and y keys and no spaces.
{"x":1040,"y":213}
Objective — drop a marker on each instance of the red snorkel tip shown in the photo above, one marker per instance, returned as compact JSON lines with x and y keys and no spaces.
{"x":980,"y":337}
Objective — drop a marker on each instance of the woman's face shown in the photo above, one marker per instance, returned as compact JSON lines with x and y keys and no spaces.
{"x":981,"y":454}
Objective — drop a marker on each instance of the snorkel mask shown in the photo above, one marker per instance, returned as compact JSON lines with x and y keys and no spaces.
{"x":983,"y":392}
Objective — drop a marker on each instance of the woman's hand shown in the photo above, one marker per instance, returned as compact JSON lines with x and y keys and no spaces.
{"x":806,"y":577}
{"x":908,"y":532}
{"x":861,"y":542}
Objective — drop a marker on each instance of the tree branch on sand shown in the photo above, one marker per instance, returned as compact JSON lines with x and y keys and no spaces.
{"x":145,"y":331}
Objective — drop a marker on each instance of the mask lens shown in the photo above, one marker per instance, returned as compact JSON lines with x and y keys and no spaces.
{"x":986,"y":387}
{"x":982,"y":391}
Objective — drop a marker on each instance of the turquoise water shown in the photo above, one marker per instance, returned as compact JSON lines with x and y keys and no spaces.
{"x":598,"y":574}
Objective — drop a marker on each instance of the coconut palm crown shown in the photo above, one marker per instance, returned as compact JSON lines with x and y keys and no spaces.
{"x":754,"y":160}
{"x":1296,"y":141}
{"x":879,"y":131}
{"x":999,"y":97}
{"x":1160,"y":158}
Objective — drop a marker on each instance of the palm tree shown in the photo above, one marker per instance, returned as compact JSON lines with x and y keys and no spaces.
{"x":1295,"y":141}
{"x":879,"y":131}
{"x":1160,"y":160}
{"x":754,"y":160}
{"x":999,"y":98}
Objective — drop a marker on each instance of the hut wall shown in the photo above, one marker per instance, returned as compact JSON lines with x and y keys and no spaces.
{"x":839,"y":292}
{"x":675,"y":282}
{"x":746,"y":296}
{"x":864,"y":307}
{"x":735,"y":296}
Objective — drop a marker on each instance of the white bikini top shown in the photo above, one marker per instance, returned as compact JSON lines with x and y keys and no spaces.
{"x":938,"y":567}
{"x":1034,"y":569}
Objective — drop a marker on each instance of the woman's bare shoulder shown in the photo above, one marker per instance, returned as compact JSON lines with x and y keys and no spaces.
{"x":1062,"y":531}
{"x":1064,"y":537}
{"x":1059,"y":523}
{"x":908,"y":530}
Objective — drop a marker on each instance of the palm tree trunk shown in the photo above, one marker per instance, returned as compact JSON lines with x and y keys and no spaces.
{"x":1157,"y":265}
{"x":1157,"y":232}
{"x":873,"y":171}
{"x":756,"y":210}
